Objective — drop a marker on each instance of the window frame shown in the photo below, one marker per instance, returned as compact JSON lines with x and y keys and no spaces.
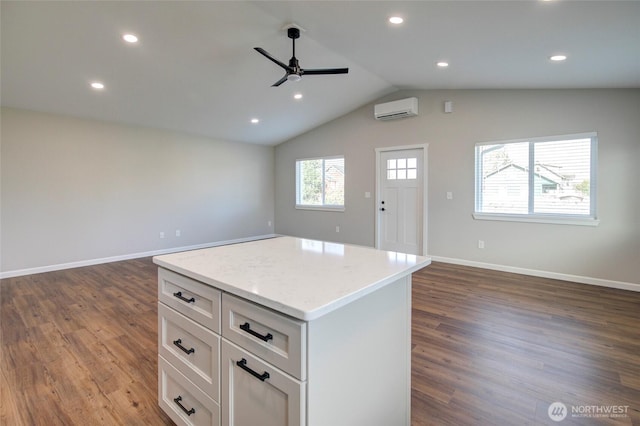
{"x":590,"y":219}
{"x":323,"y":206}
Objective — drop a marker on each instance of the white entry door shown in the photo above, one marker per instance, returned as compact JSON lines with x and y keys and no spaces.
{"x":400,"y":201}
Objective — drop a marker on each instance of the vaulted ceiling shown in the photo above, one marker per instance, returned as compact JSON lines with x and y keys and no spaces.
{"x":194,"y":69}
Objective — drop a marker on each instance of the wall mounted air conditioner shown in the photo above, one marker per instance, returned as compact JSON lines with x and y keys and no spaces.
{"x":396,"y":109}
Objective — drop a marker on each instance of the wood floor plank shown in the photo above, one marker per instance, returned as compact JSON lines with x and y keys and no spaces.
{"x":75,"y":351}
{"x":79,"y":347}
{"x":510,"y":345}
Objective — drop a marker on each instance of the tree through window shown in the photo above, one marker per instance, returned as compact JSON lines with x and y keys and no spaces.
{"x":320,"y":183}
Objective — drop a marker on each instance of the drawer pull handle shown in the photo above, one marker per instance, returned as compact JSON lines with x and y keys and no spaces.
{"x":187,"y":412}
{"x":181,"y":297}
{"x":185,"y":350}
{"x":246,"y":327}
{"x":243,"y":364}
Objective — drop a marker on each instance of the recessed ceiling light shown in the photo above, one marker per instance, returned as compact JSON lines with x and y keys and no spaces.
{"x":255,"y":121}
{"x":97,"y":85}
{"x":442,"y":64}
{"x":558,"y":58}
{"x":130,"y":38}
{"x":396,"y":20}
{"x":297,"y":96}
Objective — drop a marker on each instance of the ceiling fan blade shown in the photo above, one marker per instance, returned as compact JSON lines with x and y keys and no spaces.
{"x":271,"y":58}
{"x":325,"y":71}
{"x":279,"y":82}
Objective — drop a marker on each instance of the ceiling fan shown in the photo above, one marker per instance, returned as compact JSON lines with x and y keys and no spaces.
{"x":293,"y":70}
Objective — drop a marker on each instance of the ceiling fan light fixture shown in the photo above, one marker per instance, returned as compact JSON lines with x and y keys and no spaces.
{"x":293,"y":77}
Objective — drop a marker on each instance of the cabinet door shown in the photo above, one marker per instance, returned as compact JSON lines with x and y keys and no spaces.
{"x":254,"y":392}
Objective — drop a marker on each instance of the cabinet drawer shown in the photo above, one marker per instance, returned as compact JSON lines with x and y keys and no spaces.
{"x":256,"y":393}
{"x":271,"y":336}
{"x":182,"y":400}
{"x":194,"y":299}
{"x":191,"y":348}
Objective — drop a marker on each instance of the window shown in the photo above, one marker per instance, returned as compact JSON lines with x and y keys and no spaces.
{"x":550,"y":179}
{"x":320,"y":183}
{"x":402,"y":168}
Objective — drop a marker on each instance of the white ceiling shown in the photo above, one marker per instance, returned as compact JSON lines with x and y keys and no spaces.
{"x":195,"y":70}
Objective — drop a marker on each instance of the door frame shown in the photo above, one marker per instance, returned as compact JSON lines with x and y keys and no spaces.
{"x":424,"y":147}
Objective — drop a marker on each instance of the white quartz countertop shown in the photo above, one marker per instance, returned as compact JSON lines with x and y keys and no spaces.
{"x":301,"y":278}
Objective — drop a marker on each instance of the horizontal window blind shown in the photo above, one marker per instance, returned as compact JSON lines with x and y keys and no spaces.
{"x":546,"y":177}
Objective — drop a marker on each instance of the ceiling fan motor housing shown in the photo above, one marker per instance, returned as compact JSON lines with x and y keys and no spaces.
{"x":293,"y":33}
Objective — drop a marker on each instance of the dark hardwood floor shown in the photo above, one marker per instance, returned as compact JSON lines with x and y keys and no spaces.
{"x":79,"y":347}
{"x":489,"y":348}
{"x":494,"y":348}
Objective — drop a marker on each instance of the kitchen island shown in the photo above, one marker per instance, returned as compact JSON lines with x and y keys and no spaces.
{"x":286,"y":331}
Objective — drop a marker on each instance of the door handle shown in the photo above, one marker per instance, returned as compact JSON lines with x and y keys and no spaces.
{"x":243,"y":364}
{"x":178,"y":343}
{"x":187,"y":412}
{"x":247,"y":327}
{"x":181,"y":297}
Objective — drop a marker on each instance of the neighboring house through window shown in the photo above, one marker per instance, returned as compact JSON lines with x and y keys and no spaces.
{"x":550,"y":179}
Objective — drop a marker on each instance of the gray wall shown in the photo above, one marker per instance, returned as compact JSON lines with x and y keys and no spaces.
{"x":76,"y":190}
{"x":609,"y":251}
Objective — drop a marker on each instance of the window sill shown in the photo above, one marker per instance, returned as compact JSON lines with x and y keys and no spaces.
{"x":538,"y":219}
{"x":321,"y":208}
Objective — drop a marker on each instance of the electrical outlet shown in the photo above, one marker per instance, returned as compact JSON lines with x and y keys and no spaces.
{"x":449,"y":195}
{"x":480,"y":244}
{"x":337,"y":229}
{"x":162,"y":235}
{"x":177,"y":232}
{"x":269,"y":224}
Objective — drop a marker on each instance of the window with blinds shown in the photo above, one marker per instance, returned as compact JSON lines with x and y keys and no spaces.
{"x":550,"y":179}
{"x":320,"y":183}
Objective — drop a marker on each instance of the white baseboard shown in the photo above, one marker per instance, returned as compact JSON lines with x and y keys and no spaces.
{"x":533,"y":272}
{"x":89,"y":262}
{"x":544,"y":274}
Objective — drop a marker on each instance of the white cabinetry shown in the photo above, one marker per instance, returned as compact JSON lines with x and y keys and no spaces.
{"x":256,"y":393}
{"x":265,"y":389}
{"x":256,"y":379}
{"x":277,"y":339}
{"x":227,"y":359}
{"x":184,"y":402}
{"x":188,"y":350}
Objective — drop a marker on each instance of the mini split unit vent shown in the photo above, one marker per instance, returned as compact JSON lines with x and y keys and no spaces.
{"x":396,"y":109}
